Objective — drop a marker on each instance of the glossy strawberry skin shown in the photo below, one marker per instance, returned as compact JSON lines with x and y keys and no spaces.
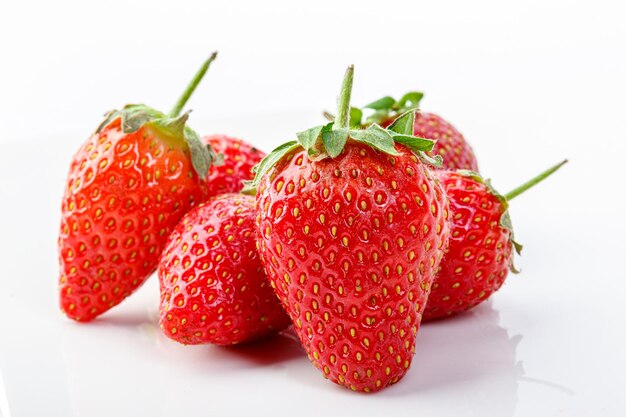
{"x":239,"y":158}
{"x":124,"y":195}
{"x":213,"y":287}
{"x":479,"y":251}
{"x":351,"y":245}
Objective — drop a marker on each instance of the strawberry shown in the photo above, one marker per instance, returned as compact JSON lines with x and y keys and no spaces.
{"x":479,"y":254}
{"x":127,"y":187}
{"x":213,"y":288}
{"x":451,"y":145}
{"x":239,"y":158}
{"x":351,"y":226}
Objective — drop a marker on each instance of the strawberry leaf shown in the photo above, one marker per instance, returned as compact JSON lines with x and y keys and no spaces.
{"x":356,"y":115}
{"x":414,"y":142}
{"x":267,"y":163}
{"x":136,"y":115}
{"x":387,"y":108}
{"x":309,"y":137}
{"x":385,"y":103}
{"x":334,"y":140}
{"x":376,"y":137}
{"x":202,"y":156}
{"x":435,"y":161}
{"x":409,"y":101}
{"x":174,"y":129}
{"x":404,"y":123}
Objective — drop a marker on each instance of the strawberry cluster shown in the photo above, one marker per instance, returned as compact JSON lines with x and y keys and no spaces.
{"x":354,"y":233}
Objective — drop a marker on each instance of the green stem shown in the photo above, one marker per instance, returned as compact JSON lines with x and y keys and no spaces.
{"x":182,"y":100}
{"x":342,"y":120}
{"x":529,"y":184}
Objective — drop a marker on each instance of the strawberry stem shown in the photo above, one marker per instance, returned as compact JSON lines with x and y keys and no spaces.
{"x":191,"y":87}
{"x":536,"y":180}
{"x":342,"y":120}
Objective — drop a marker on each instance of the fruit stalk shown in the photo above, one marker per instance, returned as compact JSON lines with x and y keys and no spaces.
{"x":342,"y":121}
{"x":534,"y":181}
{"x":191,"y":87}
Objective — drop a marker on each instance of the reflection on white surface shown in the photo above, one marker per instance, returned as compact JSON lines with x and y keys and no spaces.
{"x":472,"y":359}
{"x":463,"y":366}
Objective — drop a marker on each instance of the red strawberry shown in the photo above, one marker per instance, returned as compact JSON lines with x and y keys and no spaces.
{"x":351,"y":230}
{"x":239,"y":158}
{"x":127,"y":187}
{"x":480,"y":250}
{"x":451,"y":145}
{"x":213,"y":288}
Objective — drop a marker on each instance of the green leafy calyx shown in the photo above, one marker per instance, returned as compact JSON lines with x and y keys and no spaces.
{"x":388,"y":108}
{"x":172,"y":127}
{"x":173,"y":130}
{"x":329,"y":140}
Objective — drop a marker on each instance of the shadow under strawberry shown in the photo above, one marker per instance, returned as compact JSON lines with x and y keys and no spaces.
{"x":274,"y":349}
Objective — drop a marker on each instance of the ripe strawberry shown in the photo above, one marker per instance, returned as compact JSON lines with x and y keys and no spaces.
{"x":239,"y":159}
{"x":213,"y":288}
{"x":127,"y":187}
{"x":451,"y":145}
{"x":480,"y":250}
{"x":351,"y":231}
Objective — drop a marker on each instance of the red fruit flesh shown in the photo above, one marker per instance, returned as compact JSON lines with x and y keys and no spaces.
{"x":239,"y":158}
{"x":213,"y":287}
{"x":351,"y":245}
{"x":478,"y":255}
{"x":451,"y":145}
{"x":124,"y":194}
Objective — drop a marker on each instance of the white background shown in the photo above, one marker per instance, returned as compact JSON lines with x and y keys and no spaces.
{"x":527,"y":82}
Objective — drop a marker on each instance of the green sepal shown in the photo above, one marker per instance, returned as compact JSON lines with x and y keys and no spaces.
{"x":266,"y":164}
{"x":356,"y":116}
{"x":384,"y":103}
{"x":402,"y":131}
{"x":135,"y":116}
{"x":403,"y":125}
{"x":334,"y":140}
{"x":416,"y":143}
{"x":308,"y":138}
{"x":409,"y":101}
{"x":387,"y":108}
{"x":329,"y":140}
{"x":376,"y":137}
{"x":435,"y":160}
{"x":202,"y":155}
{"x":505,"y":218}
{"x":505,"y":222}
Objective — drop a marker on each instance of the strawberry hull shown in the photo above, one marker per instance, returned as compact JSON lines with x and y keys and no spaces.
{"x":351,"y":245}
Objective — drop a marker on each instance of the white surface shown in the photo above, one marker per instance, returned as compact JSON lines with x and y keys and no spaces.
{"x":527,"y":82}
